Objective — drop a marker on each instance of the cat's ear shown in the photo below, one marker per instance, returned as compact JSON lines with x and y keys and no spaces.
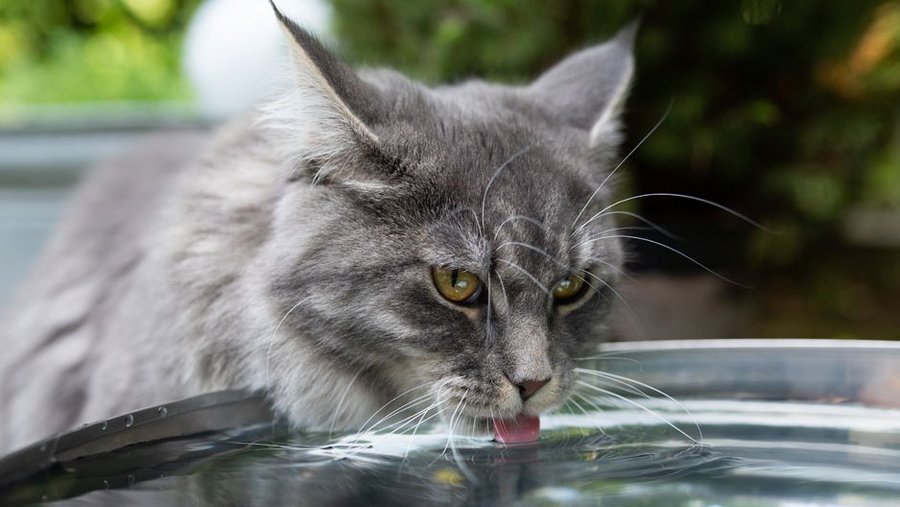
{"x":588,"y":89}
{"x":327,"y":116}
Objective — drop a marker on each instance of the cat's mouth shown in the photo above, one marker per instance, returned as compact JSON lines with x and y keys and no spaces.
{"x":519,"y":429}
{"x":503,"y":412}
{"x":523,"y":428}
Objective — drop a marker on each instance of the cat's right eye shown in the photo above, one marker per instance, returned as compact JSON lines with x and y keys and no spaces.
{"x":569,"y":289}
{"x":456,"y":285}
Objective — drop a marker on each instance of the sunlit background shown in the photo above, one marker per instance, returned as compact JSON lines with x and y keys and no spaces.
{"x":787,"y":112}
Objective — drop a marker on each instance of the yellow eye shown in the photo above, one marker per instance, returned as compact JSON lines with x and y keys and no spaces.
{"x":457,"y":286}
{"x":568,"y":289}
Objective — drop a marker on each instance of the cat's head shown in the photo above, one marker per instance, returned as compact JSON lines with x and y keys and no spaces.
{"x":437,"y":243}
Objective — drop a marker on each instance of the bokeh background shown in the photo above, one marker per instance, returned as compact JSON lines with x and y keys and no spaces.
{"x":786,"y":112}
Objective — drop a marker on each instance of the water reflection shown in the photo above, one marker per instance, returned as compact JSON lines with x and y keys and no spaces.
{"x":760,"y":460}
{"x":780,"y":427}
{"x":564,"y":471}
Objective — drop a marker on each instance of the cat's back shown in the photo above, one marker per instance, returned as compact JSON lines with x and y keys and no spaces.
{"x":50,"y":331}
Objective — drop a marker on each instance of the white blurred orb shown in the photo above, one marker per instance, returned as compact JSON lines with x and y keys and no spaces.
{"x":235,"y":54}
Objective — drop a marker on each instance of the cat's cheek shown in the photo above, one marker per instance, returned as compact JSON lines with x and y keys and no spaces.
{"x":589,"y":323}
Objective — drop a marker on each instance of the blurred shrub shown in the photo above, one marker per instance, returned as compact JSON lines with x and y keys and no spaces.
{"x":91,"y":50}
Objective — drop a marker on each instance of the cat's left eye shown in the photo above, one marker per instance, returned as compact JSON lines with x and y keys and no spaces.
{"x":456,"y":285}
{"x":569,"y":289}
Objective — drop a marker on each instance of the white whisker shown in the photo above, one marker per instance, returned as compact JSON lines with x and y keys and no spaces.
{"x":451,"y":422}
{"x":494,"y":176}
{"x":611,"y":173}
{"x":532,"y":248}
{"x":631,"y":382}
{"x":653,"y":225}
{"x":526,"y":273}
{"x":679,"y":196}
{"x":503,"y":289}
{"x":519,"y":217}
{"x":631,"y":313}
{"x":487,"y":327}
{"x":364,"y":427}
{"x":275,"y":334}
{"x":337,"y":409}
{"x":588,"y":401}
{"x":675,"y":250}
{"x":638,"y":405}
{"x":612,"y":266}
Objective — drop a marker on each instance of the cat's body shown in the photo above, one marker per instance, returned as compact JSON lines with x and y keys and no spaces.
{"x":296,"y":255}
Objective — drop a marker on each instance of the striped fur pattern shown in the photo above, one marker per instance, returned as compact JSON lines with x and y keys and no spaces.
{"x":292,"y":253}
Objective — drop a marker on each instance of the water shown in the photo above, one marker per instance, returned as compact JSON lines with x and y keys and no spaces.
{"x":763,"y":424}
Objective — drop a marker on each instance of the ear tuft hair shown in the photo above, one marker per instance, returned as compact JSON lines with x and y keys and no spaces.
{"x":324,"y":119}
{"x":588,"y":89}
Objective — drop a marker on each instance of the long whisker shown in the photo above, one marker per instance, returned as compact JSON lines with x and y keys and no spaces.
{"x":275,"y":333}
{"x":577,"y":405}
{"x":416,"y":401}
{"x":558,"y":262}
{"x":627,"y":228}
{"x":395,"y":427}
{"x":612,"y":266}
{"x":503,"y":289}
{"x":638,"y":405}
{"x":588,"y":401}
{"x":400,"y":425}
{"x":488,"y":336}
{"x":653,"y":225}
{"x":420,"y":415}
{"x":526,"y":273}
{"x":456,"y":456}
{"x":371,"y":417}
{"x":672,"y":249}
{"x":611,"y":173}
{"x":714,"y":204}
{"x":421,"y":420}
{"x":519,"y":217}
{"x":502,"y":166}
{"x":451,"y":422}
{"x":630,"y":382}
{"x":470,"y":210}
{"x":337,"y":409}
{"x":530,"y":247}
{"x":632,"y":314}
{"x":608,"y":356}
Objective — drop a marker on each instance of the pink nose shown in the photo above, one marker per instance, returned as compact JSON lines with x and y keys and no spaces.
{"x":528,"y":388}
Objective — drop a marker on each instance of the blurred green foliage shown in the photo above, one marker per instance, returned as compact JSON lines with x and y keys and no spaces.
{"x":786,"y":111}
{"x":54,"y":51}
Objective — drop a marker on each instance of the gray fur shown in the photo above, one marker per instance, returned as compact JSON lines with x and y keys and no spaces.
{"x":293,"y":254}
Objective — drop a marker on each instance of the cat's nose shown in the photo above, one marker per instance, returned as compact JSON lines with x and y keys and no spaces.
{"x":528,"y":388}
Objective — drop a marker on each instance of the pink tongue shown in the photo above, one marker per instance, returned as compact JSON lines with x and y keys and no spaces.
{"x":521,"y":429}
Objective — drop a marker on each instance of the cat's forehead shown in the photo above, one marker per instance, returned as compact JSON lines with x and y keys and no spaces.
{"x":505,"y":183}
{"x":467,"y":133}
{"x":518,"y":214}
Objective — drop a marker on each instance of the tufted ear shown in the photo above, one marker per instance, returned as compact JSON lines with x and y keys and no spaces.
{"x":588,"y":88}
{"x":327,"y":116}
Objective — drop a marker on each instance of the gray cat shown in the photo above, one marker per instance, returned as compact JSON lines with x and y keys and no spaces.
{"x":365,"y":240}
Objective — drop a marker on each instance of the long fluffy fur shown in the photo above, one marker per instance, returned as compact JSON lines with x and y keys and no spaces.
{"x":292,"y":254}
